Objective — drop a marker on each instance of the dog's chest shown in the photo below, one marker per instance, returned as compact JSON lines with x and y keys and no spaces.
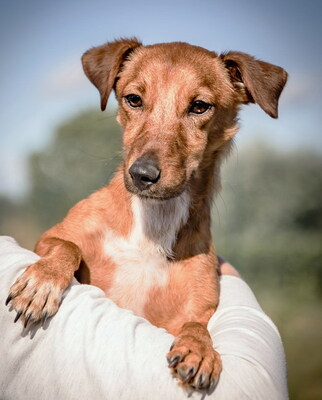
{"x":139,"y":268}
{"x":141,"y":259}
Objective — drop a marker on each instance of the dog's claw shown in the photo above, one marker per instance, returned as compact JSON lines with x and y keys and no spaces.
{"x":172,"y":362}
{"x":44,"y":317}
{"x":27,"y":319}
{"x":203,"y":382}
{"x":185,"y":377}
{"x":9,"y":298}
{"x":200,"y":381}
{"x":19,"y":314}
{"x":212,"y":385}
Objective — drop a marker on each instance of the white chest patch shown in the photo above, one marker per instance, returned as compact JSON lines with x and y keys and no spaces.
{"x":142,"y":258}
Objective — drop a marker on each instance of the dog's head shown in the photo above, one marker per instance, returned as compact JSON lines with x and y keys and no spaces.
{"x":178,"y":105}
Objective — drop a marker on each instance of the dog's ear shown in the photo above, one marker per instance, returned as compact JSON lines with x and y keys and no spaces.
{"x":255,"y":81}
{"x":102,"y":64}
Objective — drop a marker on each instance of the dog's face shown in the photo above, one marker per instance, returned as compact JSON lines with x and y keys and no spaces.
{"x":167,"y":100}
{"x":177,"y":105}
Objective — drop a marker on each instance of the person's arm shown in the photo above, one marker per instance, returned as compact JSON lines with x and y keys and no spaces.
{"x":91,"y":349}
{"x":225,"y":268}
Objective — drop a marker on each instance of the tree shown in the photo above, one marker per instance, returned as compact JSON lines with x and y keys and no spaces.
{"x":81,"y":158}
{"x":268,"y":219}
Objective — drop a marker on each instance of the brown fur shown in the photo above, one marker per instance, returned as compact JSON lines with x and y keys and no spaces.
{"x":189,"y":149}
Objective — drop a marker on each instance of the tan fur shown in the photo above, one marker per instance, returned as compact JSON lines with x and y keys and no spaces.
{"x":151,"y":250}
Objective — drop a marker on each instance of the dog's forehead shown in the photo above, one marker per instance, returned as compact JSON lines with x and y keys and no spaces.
{"x":178,"y":53}
{"x":177,"y":64}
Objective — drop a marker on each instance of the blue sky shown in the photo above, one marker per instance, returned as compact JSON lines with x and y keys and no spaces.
{"x":42,"y":81}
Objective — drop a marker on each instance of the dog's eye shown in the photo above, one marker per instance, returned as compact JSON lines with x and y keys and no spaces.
{"x":199,"y":107}
{"x":134,"y":100}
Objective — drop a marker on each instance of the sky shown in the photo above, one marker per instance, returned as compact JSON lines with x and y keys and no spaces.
{"x":42,"y":82}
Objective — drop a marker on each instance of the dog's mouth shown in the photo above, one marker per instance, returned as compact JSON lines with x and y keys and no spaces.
{"x":157,"y":193}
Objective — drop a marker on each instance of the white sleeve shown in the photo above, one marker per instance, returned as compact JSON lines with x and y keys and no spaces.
{"x":253,"y":357}
{"x":91,"y":349}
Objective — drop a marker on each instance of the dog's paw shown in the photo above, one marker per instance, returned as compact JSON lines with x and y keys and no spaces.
{"x":194,"y":362}
{"x":37,"y":293}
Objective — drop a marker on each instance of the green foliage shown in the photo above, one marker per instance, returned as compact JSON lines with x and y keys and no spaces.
{"x":268,"y":220}
{"x":82,"y":158}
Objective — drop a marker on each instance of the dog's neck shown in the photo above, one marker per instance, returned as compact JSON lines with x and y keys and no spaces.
{"x":178,"y":227}
{"x":158,"y":222}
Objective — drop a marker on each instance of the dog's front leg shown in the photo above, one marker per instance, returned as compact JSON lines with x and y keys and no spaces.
{"x":37,"y":293}
{"x":192,"y":357}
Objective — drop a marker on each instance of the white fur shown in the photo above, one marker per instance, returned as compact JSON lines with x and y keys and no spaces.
{"x":142,"y":257}
{"x":158,"y":222}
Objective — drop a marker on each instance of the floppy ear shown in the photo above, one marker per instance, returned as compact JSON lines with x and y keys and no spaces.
{"x":255,"y":81}
{"x":102,"y":64}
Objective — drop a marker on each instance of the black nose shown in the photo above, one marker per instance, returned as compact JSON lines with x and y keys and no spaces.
{"x":144,"y":172}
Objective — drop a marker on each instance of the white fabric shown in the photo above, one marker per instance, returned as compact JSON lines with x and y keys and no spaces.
{"x":94,"y":350}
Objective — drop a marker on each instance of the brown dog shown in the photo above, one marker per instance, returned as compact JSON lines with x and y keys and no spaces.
{"x":145,"y":238}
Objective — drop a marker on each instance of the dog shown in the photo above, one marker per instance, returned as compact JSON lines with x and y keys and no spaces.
{"x":145,"y":238}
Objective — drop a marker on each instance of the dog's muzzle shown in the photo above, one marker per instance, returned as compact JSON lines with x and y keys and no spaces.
{"x":144,"y":173}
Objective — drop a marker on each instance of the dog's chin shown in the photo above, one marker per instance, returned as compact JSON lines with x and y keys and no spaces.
{"x":161,"y":194}
{"x":157,"y":198}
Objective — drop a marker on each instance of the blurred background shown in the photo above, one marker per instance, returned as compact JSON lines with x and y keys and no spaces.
{"x":57,"y":147}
